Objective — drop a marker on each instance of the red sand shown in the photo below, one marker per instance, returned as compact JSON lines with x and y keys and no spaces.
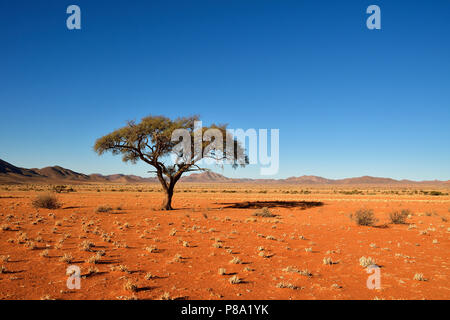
{"x":201,"y":219}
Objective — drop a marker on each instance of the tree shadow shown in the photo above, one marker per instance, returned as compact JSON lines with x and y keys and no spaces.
{"x":382,"y":226}
{"x":148,"y":288}
{"x":273,"y":204}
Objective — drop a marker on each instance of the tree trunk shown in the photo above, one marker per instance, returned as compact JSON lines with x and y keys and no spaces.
{"x":167,"y":204}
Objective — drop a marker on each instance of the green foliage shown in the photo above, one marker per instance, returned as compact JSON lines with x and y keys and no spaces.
{"x":151,"y":141}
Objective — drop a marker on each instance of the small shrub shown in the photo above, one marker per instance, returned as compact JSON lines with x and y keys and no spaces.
{"x":44,"y":253}
{"x":236,"y":260}
{"x":103,"y":209}
{"x":46,"y":201}
{"x":291,"y":269}
{"x":5,"y":227}
{"x":86,"y":245}
{"x":399,"y":217}
{"x":30,"y":245}
{"x":217,"y":245}
{"x":61,"y":189}
{"x":235,"y":280}
{"x":222,"y":271}
{"x":177,"y":258}
{"x":122,"y":268}
{"x":67,"y":258}
{"x":306,"y":273}
{"x":264,"y":212}
{"x":286,"y":285}
{"x":149,"y":276}
{"x":94,"y":259}
{"x":130,"y":286}
{"x":364,"y":217}
{"x":419,"y":277}
{"x":365,"y":262}
{"x":151,"y":249}
{"x":166,"y":296}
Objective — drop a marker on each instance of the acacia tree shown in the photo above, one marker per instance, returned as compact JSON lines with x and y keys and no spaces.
{"x":153,"y":141}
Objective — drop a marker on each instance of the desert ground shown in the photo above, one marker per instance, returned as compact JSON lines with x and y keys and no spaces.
{"x":213,"y":246}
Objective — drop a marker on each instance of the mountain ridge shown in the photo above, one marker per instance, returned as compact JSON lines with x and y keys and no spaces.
{"x":10,"y":174}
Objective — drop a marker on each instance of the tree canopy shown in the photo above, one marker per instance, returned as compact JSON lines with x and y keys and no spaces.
{"x":172,"y":147}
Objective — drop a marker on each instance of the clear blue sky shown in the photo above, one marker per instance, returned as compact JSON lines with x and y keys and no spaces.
{"x":348,"y":101}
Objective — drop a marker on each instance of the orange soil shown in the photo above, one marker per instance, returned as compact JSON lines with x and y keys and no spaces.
{"x":202,"y":218}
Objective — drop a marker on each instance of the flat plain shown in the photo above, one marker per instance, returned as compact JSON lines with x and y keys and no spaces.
{"x":224,"y":241}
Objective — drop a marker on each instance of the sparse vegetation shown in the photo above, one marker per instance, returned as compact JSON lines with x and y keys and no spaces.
{"x":86,"y":245}
{"x":365,"y":262}
{"x":264,"y":212}
{"x":419,"y":277}
{"x":399,"y":217}
{"x":94,"y":259}
{"x":235,"y":280}
{"x":364,"y":217}
{"x":327,"y":261}
{"x":46,"y":201}
{"x":5,"y":227}
{"x":286,"y":285}
{"x":235,"y":260}
{"x":151,"y":249}
{"x":131,"y":286}
{"x":103,"y":209}
{"x":66,"y":258}
{"x":219,"y":241}
{"x":149,"y":276}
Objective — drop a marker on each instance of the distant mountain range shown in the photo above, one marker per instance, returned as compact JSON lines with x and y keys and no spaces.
{"x":10,"y":174}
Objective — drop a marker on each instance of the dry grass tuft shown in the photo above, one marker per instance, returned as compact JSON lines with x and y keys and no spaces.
{"x":46,"y":201}
{"x":130,"y":286}
{"x":364,"y":217}
{"x":365,"y":262}
{"x":264,"y":212}
{"x":399,"y":217}
{"x":86,"y":245}
{"x":236,"y":260}
{"x":103,"y":209}
{"x":419,"y":277}
{"x":222,"y":271}
{"x":235,"y":280}
{"x":286,"y":285}
{"x":66,"y":258}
